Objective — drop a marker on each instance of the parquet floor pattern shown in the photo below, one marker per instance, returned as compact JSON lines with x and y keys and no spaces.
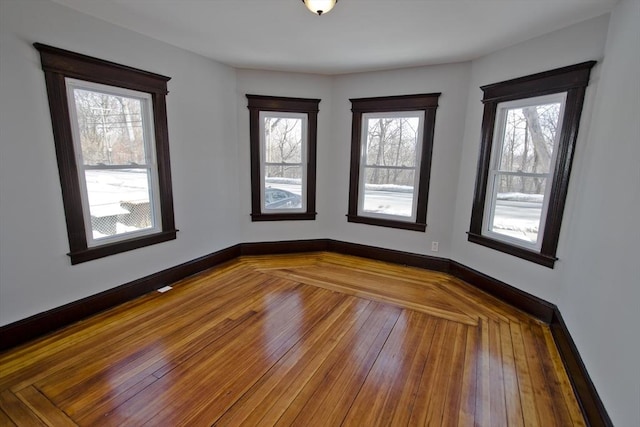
{"x":308,"y":340}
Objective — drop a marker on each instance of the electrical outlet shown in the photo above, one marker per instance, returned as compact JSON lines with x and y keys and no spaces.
{"x":434,"y":246}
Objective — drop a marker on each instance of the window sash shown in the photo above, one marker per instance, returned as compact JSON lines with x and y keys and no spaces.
{"x":304,"y":117}
{"x":150,"y":165}
{"x":364,"y":139}
{"x":495,"y":171}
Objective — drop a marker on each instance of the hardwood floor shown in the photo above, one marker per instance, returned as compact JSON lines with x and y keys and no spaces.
{"x":309,"y":340}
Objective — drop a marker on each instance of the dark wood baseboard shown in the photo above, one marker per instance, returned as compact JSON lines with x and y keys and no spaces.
{"x":285,"y":247}
{"x":390,"y":255}
{"x":40,"y":324}
{"x":588,"y":398}
{"x":524,"y":301}
{"x":346,"y":248}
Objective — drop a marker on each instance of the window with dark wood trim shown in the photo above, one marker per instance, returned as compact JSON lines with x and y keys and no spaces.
{"x":112,"y":145}
{"x":391,"y":145}
{"x":282,"y":136}
{"x":529,"y":131}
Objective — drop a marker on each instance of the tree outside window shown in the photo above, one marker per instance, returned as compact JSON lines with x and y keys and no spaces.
{"x":283,"y":164}
{"x":110,"y":131}
{"x":391,"y":146}
{"x":529,"y":130}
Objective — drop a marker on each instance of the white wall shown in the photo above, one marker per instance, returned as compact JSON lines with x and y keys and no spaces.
{"x":35,"y":272}
{"x":600,"y":284}
{"x":581,"y":42}
{"x":334,"y":144}
{"x":595,"y":281}
{"x":452,"y":81}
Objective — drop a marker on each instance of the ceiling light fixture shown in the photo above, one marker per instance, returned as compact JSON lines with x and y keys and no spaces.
{"x":320,"y":6}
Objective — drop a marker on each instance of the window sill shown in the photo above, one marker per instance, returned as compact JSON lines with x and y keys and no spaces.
{"x":102,"y":251}
{"x":529,"y":255}
{"x":413,"y":226}
{"x":304,"y":216}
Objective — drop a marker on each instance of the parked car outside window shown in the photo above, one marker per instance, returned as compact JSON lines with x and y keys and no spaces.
{"x":276,"y":198}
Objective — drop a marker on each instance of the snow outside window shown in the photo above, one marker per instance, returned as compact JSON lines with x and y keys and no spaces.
{"x":390,"y":148}
{"x":282,"y":137}
{"x":283,"y":161}
{"x":528,"y":138}
{"x":110,"y":131}
{"x":391,"y":145}
{"x":114,"y":147}
{"x":519,"y":184}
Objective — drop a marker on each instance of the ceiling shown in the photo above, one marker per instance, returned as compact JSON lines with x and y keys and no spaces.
{"x":357,"y":35}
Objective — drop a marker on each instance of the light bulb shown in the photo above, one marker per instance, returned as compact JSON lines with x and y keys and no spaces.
{"x":320,"y":6}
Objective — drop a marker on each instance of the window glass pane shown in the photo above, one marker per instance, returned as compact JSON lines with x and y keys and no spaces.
{"x":283,"y":187}
{"x":119,"y":201}
{"x":389,"y":199}
{"x":390,"y":155}
{"x":518,"y":206}
{"x":391,"y":141}
{"x":529,"y":138}
{"x":110,"y":127}
{"x":283,"y":140}
{"x":283,"y":170}
{"x":291,"y":173}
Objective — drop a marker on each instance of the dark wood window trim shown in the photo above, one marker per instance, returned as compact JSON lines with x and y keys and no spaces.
{"x":59,"y":64}
{"x":258,"y":103}
{"x":573,"y":80}
{"x":391,"y":104}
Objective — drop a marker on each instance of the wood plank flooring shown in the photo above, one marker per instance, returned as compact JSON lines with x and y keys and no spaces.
{"x":296,"y":340}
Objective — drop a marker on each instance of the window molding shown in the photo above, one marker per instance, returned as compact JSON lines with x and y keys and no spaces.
{"x":426,"y":103}
{"x":59,"y":64}
{"x":571,"y":80}
{"x":256,"y":105}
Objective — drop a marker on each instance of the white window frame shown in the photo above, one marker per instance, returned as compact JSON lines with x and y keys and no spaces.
{"x":495,"y":171}
{"x":304,"y":117}
{"x":150,"y":159}
{"x":420,"y":114}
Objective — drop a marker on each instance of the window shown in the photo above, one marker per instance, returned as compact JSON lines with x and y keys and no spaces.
{"x":110,"y":130}
{"x":529,"y":131}
{"x":283,"y":157}
{"x":391,"y":143}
